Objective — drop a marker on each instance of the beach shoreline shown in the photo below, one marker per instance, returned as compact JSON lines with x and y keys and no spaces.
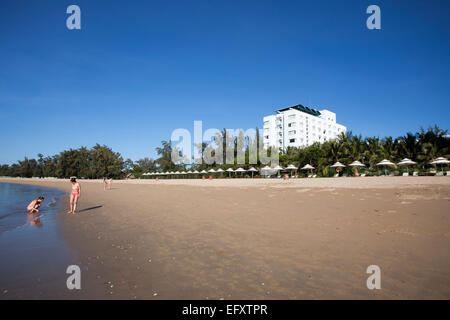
{"x":259,"y":238}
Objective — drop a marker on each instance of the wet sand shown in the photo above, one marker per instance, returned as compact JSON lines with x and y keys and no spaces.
{"x":260,"y":239}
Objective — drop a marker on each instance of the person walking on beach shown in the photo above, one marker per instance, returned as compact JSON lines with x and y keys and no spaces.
{"x":107,"y":182}
{"x":34,"y":205}
{"x":74,"y":195}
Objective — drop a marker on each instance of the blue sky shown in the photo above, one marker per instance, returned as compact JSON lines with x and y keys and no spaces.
{"x":137,"y":70}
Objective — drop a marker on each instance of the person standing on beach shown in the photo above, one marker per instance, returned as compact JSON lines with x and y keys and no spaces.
{"x":74,"y":195}
{"x":107,"y":182}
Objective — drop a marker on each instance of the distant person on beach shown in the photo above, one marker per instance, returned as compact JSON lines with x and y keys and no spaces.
{"x":34,"y":205}
{"x":74,"y":195}
{"x":107,"y":182}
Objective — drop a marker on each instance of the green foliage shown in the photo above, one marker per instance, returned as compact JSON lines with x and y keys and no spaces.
{"x":100,"y":161}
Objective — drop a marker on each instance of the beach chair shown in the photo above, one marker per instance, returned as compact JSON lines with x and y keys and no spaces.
{"x":310,"y":176}
{"x":415,"y":174}
{"x":439,"y":173}
{"x":314,"y":176}
{"x":363,"y":175}
{"x":448,"y":173}
{"x":336,"y":175}
{"x":405,"y":174}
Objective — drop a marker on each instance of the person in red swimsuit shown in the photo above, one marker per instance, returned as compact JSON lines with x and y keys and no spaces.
{"x":74,"y":195}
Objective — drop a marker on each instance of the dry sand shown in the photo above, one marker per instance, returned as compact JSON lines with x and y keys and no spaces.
{"x":261,"y":238}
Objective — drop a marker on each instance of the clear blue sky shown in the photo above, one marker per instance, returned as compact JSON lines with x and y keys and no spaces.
{"x":139,"y":69}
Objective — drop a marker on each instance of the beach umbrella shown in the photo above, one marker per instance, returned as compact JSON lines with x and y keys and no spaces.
{"x":212,"y":171}
{"x":195,"y":172}
{"x":357,"y":164}
{"x":307,"y":167}
{"x":337,"y":165}
{"x":406,"y":162}
{"x":220,"y":170}
{"x":230,"y":170}
{"x":240,"y":170}
{"x":385,"y":163}
{"x":252,"y":170}
{"x":291,"y":167}
{"x":440,"y":161}
{"x":266,"y":170}
{"x":203,"y":172}
{"x":278,"y":168}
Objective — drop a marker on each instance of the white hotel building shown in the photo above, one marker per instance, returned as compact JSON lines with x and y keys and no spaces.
{"x":300,"y":126}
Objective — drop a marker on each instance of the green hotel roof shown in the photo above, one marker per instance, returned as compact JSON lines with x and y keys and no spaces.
{"x":302,"y":108}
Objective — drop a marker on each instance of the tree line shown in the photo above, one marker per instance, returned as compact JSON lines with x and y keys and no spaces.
{"x":101,"y":161}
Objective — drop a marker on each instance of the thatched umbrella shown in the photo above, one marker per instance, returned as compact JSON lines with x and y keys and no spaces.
{"x":385,"y":163}
{"x":252,"y":170}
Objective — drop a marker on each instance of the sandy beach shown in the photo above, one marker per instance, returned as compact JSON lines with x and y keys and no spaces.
{"x":259,"y":238}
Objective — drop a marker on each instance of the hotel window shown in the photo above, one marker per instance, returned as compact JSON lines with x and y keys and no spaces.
{"x":291,"y":116}
{"x":292,"y":132}
{"x":291,"y":140}
{"x":266,"y":122}
{"x":267,"y":137}
{"x":292,"y":124}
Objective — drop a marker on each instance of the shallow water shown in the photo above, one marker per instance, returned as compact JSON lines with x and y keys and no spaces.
{"x":33,"y":254}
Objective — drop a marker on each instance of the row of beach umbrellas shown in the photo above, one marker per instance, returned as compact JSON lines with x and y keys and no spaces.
{"x":384,"y":163}
{"x":252,"y":170}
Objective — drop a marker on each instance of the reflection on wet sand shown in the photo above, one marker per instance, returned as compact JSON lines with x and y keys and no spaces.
{"x":35,"y":219}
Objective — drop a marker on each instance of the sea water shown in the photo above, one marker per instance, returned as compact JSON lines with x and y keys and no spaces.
{"x":33,"y":253}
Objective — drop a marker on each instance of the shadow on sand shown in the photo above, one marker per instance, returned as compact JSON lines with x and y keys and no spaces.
{"x":88,"y":209}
